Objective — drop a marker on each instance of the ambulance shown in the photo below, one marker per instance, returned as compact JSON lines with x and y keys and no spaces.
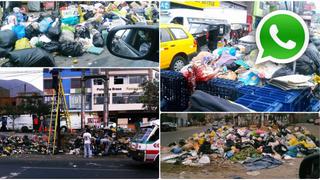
{"x":144,"y":146}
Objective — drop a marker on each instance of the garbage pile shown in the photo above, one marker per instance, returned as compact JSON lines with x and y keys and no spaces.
{"x":71,"y":144}
{"x":28,"y":39}
{"x":15,"y":145}
{"x":238,"y":63}
{"x":255,"y":148}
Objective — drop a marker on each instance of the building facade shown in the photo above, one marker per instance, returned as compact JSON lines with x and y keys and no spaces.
{"x":125,"y":107}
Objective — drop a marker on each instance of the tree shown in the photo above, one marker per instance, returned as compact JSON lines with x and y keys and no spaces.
{"x":150,"y":97}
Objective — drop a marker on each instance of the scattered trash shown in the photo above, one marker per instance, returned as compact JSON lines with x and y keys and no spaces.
{"x":255,"y":148}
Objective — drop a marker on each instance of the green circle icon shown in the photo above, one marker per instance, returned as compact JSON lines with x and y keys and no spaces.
{"x":282,"y":37}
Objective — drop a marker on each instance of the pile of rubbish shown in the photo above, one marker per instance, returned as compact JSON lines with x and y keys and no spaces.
{"x":237,"y":63}
{"x":255,"y":148}
{"x":28,"y":39}
{"x":15,"y":145}
{"x":71,"y":144}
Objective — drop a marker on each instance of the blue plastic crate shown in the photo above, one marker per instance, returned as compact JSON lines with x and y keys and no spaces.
{"x":243,"y":90}
{"x":174,"y":91}
{"x":292,"y":100}
{"x":314,"y":105}
{"x":259,"y":104}
{"x":224,"y":88}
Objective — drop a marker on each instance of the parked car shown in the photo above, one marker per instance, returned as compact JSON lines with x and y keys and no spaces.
{"x":168,"y":126}
{"x":177,"y":46}
{"x":209,"y":32}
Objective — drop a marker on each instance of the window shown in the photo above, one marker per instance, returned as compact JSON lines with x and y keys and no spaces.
{"x":75,"y":83}
{"x":126,"y":98}
{"x":98,"y":98}
{"x":139,"y":79}
{"x":177,"y":20}
{"x":164,"y":35}
{"x":179,"y":33}
{"x":98,"y":82}
{"x":47,"y":84}
{"x":118,"y":80}
{"x":154,"y":136}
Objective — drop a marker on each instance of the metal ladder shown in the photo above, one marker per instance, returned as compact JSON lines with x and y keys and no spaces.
{"x":59,"y":102}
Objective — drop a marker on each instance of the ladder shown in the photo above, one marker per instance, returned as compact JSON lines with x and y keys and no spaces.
{"x":58,"y":102}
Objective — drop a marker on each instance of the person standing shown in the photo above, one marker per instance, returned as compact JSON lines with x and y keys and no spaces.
{"x":4,"y":124}
{"x":35,"y":124}
{"x":87,"y":144}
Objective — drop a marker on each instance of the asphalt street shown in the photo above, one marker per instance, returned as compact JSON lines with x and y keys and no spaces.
{"x":106,"y":59}
{"x":183,"y":132}
{"x":70,"y":166}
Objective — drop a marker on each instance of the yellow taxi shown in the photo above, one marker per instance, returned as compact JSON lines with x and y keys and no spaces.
{"x":177,"y":46}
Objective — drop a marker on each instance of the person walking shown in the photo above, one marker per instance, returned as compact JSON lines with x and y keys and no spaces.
{"x":87,"y":144}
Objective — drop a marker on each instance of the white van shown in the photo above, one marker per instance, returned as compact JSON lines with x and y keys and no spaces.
{"x":182,"y":16}
{"x":144,"y":146}
{"x":23,"y":123}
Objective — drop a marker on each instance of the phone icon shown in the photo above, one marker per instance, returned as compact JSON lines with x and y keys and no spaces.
{"x":287,"y":45}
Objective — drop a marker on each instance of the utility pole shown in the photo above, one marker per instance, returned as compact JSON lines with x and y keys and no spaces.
{"x":106,"y":99}
{"x":82,"y":98}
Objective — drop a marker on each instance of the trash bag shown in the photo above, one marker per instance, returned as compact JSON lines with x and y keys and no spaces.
{"x":19,"y":30}
{"x":66,"y":36}
{"x":88,"y":15}
{"x":305,"y":65}
{"x":70,"y":20}
{"x":7,"y":39}
{"x":97,"y":40}
{"x":52,"y":46}
{"x":45,"y":24}
{"x":313,"y":53}
{"x":34,"y":57}
{"x":3,"y":52}
{"x":34,"y":6}
{"x":283,"y":72}
{"x":54,"y":31}
{"x":32,"y":30}
{"x":73,"y":49}
{"x":82,"y":32}
{"x":22,"y":44}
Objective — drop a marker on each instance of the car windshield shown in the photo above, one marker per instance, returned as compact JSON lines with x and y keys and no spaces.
{"x":142,"y":135}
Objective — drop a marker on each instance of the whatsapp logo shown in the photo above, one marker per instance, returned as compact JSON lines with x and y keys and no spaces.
{"x":282,"y":37}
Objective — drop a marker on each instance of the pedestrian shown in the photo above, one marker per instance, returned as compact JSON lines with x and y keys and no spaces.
{"x":3,"y":124}
{"x":106,"y":141}
{"x":35,"y":123}
{"x":87,"y":144}
{"x":42,"y":124}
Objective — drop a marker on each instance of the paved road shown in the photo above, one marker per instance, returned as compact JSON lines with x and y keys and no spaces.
{"x":67,"y":166}
{"x":106,"y":59}
{"x":185,"y":132}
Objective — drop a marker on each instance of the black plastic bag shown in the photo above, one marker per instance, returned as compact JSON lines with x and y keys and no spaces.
{"x":31,"y":32}
{"x":3,"y":53}
{"x":82,"y":32}
{"x":34,"y":57}
{"x":98,"y":40}
{"x":52,"y":46}
{"x":73,"y":49}
{"x":54,"y":31}
{"x":7,"y":39}
{"x":88,"y":15}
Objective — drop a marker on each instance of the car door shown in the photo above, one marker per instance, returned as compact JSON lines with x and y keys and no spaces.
{"x":166,"y":50}
{"x":182,"y":42}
